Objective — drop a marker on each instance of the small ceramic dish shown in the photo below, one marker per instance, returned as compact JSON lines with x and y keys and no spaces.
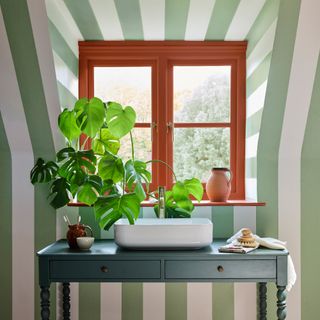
{"x":85,"y":243}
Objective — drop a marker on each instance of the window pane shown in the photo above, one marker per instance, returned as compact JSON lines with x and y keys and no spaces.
{"x":142,"y":145}
{"x":131,"y":86}
{"x":197,"y":150}
{"x":202,"y":94}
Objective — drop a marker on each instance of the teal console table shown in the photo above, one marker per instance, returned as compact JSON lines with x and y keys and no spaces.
{"x":106,"y":262}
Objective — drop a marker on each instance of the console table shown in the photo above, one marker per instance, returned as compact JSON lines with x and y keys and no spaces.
{"x":106,"y":262}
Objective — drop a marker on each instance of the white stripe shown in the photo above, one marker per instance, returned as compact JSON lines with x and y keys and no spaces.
{"x":153,"y":18}
{"x":255,"y":101}
{"x":61,"y":231}
{"x":251,"y":189}
{"x":198,"y":19}
{"x":107,"y":18}
{"x":65,"y":75}
{"x":154,"y":301}
{"x":244,"y":18}
{"x":244,"y":217}
{"x":252,"y":146}
{"x":39,"y":22}
{"x":22,"y":191}
{"x":262,"y":49}
{"x":244,"y":293}
{"x":63,"y":21}
{"x":199,"y":301}
{"x":110,"y":301}
{"x":304,"y":65}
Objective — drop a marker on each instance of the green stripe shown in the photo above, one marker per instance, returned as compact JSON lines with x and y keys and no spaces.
{"x":223,"y":301}
{"x":19,"y":30}
{"x":132,"y":301}
{"x":264,"y":20}
{"x":176,"y":15}
{"x":310,"y":190}
{"x":251,"y":167}
{"x":5,"y":226}
{"x":130,"y":19}
{"x":259,"y":75}
{"x":89,"y":293}
{"x":221,"y":18}
{"x":271,"y":125}
{"x":62,"y":49}
{"x":176,"y":301}
{"x":66,"y":98}
{"x":222,"y":218}
{"x":253,"y":123}
{"x":85,"y":19}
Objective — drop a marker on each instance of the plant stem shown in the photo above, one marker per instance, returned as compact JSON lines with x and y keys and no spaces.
{"x":152,"y":196}
{"x":163,"y":162}
{"x":132,"y":146}
{"x":84,"y":143}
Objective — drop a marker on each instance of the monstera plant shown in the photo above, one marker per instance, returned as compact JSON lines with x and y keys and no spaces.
{"x":97,"y":175}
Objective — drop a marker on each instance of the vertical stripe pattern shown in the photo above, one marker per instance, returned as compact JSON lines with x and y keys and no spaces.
{"x":6,"y":225}
{"x":39,"y":76}
{"x":294,"y":124}
{"x":310,"y":223}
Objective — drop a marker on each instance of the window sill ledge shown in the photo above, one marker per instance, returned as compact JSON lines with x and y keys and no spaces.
{"x":202,"y":203}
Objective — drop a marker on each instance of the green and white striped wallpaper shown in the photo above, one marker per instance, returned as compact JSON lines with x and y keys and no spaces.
{"x":39,"y":76}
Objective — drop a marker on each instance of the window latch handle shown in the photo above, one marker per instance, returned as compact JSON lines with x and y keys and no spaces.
{"x":154,"y":126}
{"x":170,"y":126}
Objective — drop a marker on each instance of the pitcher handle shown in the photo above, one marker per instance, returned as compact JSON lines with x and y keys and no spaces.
{"x":231,"y":175}
{"x":89,"y":228}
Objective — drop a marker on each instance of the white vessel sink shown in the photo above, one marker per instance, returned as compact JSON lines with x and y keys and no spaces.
{"x":147,"y":233}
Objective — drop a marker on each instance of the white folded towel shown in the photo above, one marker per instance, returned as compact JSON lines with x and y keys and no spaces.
{"x":275,"y":244}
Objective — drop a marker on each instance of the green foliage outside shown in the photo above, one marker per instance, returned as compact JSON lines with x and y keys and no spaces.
{"x":197,"y":150}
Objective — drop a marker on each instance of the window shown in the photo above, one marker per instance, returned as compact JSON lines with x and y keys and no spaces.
{"x":189,"y":98}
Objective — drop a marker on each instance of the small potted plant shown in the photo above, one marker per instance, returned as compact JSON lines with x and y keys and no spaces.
{"x":96,"y":175}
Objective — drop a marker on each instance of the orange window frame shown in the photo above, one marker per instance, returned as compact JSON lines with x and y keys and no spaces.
{"x":162,"y":56}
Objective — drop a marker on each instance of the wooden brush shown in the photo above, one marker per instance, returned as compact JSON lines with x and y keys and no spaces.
{"x":246,"y":240}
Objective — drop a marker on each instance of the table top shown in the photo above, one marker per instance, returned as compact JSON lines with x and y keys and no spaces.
{"x":108,"y":249}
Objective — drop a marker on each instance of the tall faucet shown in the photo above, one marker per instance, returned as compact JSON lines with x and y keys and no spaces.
{"x":161,"y":201}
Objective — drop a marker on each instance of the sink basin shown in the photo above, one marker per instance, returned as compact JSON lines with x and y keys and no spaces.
{"x":147,"y":233}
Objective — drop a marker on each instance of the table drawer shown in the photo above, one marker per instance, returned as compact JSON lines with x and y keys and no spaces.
{"x":220,"y":269}
{"x":104,"y":269}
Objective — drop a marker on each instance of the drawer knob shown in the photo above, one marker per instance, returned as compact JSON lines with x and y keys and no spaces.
{"x":104,"y":269}
{"x":220,"y":268}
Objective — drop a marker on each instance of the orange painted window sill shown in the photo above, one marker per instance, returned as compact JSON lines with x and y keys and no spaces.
{"x":203,"y":203}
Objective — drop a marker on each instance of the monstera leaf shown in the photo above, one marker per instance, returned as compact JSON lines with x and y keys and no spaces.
{"x":76,"y":164}
{"x":120,"y":120}
{"x":43,"y":171}
{"x":89,"y":191}
{"x":194,"y":187}
{"x":178,"y":203}
{"x":59,"y":193}
{"x":68,"y":125}
{"x":136,"y":174}
{"x":110,"y":167}
{"x":105,"y":141}
{"x":90,"y":115}
{"x":172,"y":209}
{"x":111,"y":208}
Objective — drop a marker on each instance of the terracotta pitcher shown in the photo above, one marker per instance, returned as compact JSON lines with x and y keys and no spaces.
{"x":218,"y":187}
{"x":75,"y":231}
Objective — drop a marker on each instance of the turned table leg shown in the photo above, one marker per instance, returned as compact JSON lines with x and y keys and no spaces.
{"x":281,"y":303}
{"x":45,"y":303}
{"x":262,"y":301}
{"x":66,"y":300}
